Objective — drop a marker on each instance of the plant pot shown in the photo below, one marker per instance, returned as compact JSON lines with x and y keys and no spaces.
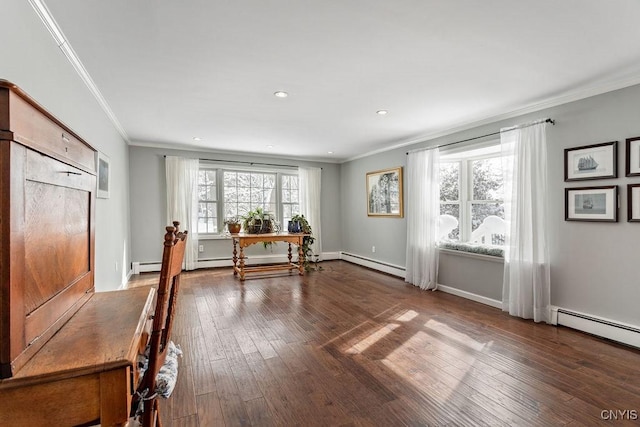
{"x":261,"y":227}
{"x":294,"y":227}
{"x":234,"y":228}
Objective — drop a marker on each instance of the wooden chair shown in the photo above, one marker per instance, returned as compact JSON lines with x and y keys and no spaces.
{"x":172,"y":257}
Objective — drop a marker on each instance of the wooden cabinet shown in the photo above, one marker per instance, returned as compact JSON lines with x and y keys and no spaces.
{"x":47,"y":197}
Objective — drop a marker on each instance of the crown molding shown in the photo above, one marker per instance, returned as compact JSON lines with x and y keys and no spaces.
{"x":192,"y":148}
{"x":566,"y":98}
{"x":58,"y":36}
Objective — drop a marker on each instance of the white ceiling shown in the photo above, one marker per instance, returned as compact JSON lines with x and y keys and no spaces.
{"x":173,"y":70}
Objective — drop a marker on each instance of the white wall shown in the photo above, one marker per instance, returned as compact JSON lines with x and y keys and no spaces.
{"x":593,"y":265}
{"x":31,"y":60}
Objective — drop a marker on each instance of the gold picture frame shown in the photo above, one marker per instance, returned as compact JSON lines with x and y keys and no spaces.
{"x":384,"y":193}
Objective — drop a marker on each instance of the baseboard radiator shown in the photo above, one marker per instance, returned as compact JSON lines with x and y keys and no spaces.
{"x":385,"y":267}
{"x":146,"y":267}
{"x":605,"y":328}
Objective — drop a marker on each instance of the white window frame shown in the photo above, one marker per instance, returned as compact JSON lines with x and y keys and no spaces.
{"x":217,"y":201}
{"x":220,"y":169}
{"x":465,"y":201}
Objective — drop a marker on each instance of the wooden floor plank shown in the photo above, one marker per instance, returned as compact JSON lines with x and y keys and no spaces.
{"x":352,"y":347}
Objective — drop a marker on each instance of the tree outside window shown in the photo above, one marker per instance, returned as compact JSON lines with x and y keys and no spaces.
{"x":471,"y":190}
{"x":207,"y":201}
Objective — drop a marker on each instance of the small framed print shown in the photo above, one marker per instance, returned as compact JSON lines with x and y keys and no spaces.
{"x":633,"y":202}
{"x":384,"y":193}
{"x":633,"y":156}
{"x":596,"y":161}
{"x":104,"y":175}
{"x":591,"y":204}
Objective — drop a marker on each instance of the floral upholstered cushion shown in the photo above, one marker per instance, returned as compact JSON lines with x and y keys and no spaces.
{"x":168,"y":374}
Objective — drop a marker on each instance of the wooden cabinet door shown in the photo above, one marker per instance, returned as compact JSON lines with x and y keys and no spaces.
{"x":50,"y":252}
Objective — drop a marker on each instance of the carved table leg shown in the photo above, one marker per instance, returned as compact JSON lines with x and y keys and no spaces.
{"x":235,"y":258}
{"x":300,"y":260}
{"x":289,"y":256}
{"x":241,"y":263}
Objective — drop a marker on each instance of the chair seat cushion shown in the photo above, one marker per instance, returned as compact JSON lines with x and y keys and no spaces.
{"x":168,"y":374}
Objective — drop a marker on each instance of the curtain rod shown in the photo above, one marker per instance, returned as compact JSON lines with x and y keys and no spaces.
{"x":489,"y":134}
{"x":247,"y":163}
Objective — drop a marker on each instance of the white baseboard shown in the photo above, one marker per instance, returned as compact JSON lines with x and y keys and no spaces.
{"x":606,"y":328}
{"x":125,"y":284}
{"x":394,"y":270}
{"x":471,"y":296}
{"x":328,"y":256}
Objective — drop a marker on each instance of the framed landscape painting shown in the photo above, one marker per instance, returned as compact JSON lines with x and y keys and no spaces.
{"x":384,"y":193}
{"x":591,"y":162}
{"x":591,"y":204}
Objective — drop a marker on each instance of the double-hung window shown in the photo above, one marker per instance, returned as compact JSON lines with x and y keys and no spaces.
{"x":207,"y":201}
{"x":471,"y":196}
{"x":228,"y":192}
{"x":290,"y":197}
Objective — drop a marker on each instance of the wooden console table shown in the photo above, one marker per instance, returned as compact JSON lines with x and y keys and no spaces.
{"x":243,"y":240}
{"x":87,"y":370}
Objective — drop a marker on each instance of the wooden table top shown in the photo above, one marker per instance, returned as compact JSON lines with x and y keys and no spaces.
{"x":102,"y":335}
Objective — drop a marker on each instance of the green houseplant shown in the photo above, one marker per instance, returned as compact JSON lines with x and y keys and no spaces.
{"x":302,"y":224}
{"x":257,"y":221}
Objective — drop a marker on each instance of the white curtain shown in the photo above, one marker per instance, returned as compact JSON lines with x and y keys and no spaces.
{"x":526,"y":287}
{"x":182,"y":202}
{"x":423,"y":210}
{"x":310,"y":180}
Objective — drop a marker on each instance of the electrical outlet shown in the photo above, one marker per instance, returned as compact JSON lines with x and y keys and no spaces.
{"x":201,"y":248}
{"x":373,"y":249}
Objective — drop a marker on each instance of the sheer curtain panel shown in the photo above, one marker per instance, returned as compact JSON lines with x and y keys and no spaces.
{"x":526,"y":287}
{"x":182,"y":202}
{"x":423,"y":210}
{"x":310,"y":183}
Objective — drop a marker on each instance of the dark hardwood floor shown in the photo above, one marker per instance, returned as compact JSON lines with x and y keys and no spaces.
{"x":350,"y":346}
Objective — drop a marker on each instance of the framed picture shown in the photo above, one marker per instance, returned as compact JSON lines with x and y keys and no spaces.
{"x":384,"y":193}
{"x":591,"y":204}
{"x":633,"y":156}
{"x":633,"y":202}
{"x":591,"y":162}
{"x":104,"y":175}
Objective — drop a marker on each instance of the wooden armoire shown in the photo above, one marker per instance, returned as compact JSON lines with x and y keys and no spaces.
{"x":47,"y":196}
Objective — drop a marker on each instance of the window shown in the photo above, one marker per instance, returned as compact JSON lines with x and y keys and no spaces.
{"x":290,"y":198}
{"x":471,"y":197}
{"x":240,"y":191}
{"x":207,"y":201}
{"x":245,"y":191}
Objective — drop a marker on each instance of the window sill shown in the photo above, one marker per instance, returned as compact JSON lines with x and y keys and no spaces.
{"x":488,"y":253}
{"x":221,"y":236}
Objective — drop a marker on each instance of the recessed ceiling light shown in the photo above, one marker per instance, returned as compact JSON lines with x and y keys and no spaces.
{"x":381,"y":112}
{"x":269,"y":146}
{"x":329,"y":152}
{"x":281,"y":94}
{"x":197,"y":138}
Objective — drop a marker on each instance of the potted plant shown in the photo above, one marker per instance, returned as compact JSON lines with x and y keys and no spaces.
{"x":299,"y":224}
{"x":233,"y":224}
{"x":257,"y":221}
